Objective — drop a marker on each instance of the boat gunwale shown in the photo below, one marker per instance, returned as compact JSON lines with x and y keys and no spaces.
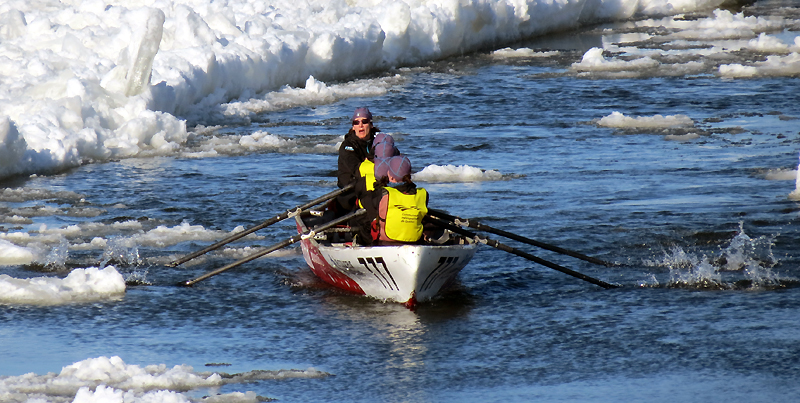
{"x":469,"y":242}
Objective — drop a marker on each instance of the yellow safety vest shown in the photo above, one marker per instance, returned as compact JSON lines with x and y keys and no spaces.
{"x":404,"y":215}
{"x":367,"y":171}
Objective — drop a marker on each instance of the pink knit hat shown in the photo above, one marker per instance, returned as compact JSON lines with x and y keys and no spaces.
{"x":385,"y":149}
{"x":362,"y":113}
{"x":399,"y":166}
{"x":381,"y":168}
{"x":380,"y":137}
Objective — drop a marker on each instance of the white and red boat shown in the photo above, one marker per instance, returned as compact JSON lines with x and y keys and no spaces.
{"x":407,"y":274}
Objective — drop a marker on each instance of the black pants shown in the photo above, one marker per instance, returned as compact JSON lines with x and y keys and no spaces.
{"x":345,"y":203}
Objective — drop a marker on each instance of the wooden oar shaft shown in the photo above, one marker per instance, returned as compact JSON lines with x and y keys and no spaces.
{"x":549,"y":264}
{"x":274,"y":247}
{"x":245,"y":260}
{"x":520,"y":238}
{"x":264,"y":224}
{"x":506,"y":248}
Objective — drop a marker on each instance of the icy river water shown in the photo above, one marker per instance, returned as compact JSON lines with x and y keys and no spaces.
{"x":650,"y":155}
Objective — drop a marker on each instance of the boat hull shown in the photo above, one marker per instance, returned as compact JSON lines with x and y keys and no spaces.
{"x":404,"y":273}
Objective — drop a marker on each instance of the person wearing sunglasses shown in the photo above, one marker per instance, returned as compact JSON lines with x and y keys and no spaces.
{"x":355,"y":149}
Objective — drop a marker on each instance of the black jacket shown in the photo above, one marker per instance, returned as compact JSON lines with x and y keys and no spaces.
{"x":352,"y":153}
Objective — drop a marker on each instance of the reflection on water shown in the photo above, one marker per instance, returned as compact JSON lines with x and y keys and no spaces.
{"x":403,"y":342}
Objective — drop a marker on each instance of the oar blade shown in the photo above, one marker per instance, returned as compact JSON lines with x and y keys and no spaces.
{"x":455,"y":228}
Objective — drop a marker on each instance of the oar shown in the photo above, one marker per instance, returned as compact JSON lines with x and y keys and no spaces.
{"x":267,"y":223}
{"x":275,"y":247}
{"x":506,"y":248}
{"x":481,"y":227}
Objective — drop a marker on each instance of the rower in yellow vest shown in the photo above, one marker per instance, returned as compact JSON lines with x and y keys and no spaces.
{"x":402,"y":206}
{"x":384,"y":150}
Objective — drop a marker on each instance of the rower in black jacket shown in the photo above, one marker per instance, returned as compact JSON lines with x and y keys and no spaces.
{"x":356,"y":147}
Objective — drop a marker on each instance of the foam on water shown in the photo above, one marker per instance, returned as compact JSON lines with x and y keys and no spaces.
{"x":795,"y":194}
{"x":119,"y":241}
{"x":618,"y":120}
{"x":773,"y":66}
{"x":90,"y":81}
{"x":257,"y":142}
{"x":723,"y":44}
{"x":522,"y":52}
{"x":781,"y":175}
{"x":11,"y":254}
{"x":240,"y":253}
{"x":593,"y":60}
{"x":313,"y":93}
{"x":81,"y":285}
{"x":673,"y":127}
{"x":29,"y":194}
{"x":744,"y":262}
{"x":110,"y":379}
{"x":452,"y":173}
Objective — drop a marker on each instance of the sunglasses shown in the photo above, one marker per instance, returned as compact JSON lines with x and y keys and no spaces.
{"x":360,"y":122}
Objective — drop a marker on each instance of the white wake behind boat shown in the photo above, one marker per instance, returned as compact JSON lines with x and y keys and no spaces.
{"x":407,"y":274}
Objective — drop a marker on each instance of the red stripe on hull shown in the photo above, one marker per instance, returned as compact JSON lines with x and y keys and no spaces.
{"x":328,"y":273}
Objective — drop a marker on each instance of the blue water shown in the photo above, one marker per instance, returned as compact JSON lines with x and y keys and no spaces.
{"x":684,"y":326}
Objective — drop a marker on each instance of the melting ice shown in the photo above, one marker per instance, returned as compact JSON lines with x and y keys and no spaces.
{"x":453,"y":173}
{"x":81,"y":285}
{"x":98,"y":80}
{"x":110,"y":379}
{"x":89,"y":81}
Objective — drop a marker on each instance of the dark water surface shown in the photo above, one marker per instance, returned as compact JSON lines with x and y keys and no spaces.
{"x":707,"y":311}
